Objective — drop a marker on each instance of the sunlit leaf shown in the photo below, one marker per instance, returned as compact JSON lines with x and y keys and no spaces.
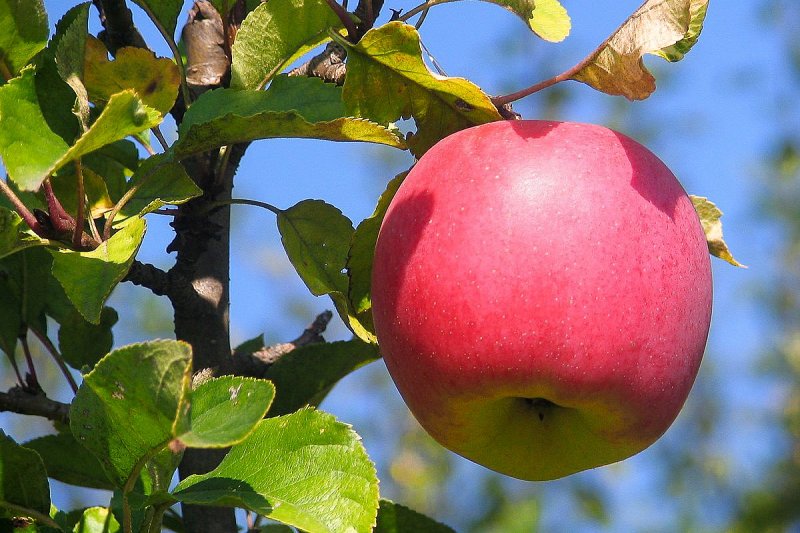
{"x":69,"y":462}
{"x":304,"y":469}
{"x":126,"y":407}
{"x":15,"y":235}
{"x":24,"y":490}
{"x":31,"y":151}
{"x":550,"y":20}
{"x":97,"y":520}
{"x":123,"y":115}
{"x":331,"y":361}
{"x":89,"y":277}
{"x":395,"y":518}
{"x":155,"y":80}
{"x":70,"y":47}
{"x":65,"y":186}
{"x":291,"y":107}
{"x":275,"y":34}
{"x":387,"y":80}
{"x":28,"y":146}
{"x":316,"y":237}
{"x":668,"y":28}
{"x":224,"y":411}
{"x":23,"y":32}
{"x":711,"y":218}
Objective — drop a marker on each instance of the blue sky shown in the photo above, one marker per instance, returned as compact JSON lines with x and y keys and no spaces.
{"x":721,"y":108}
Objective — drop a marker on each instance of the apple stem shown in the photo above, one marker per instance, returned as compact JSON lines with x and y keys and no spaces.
{"x":564,"y":76}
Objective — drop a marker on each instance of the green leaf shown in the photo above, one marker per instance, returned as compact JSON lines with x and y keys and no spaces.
{"x":159,"y":181}
{"x":126,"y":408}
{"x":291,"y":107}
{"x":24,"y":490}
{"x":10,"y":317}
{"x":29,"y":280}
{"x":304,"y":469}
{"x":69,"y":51}
{"x":23,"y":32}
{"x":56,"y":97}
{"x":163,"y":13}
{"x":15,"y":234}
{"x":124,"y":115}
{"x":65,"y":187}
{"x":316,"y":237}
{"x":550,"y":20}
{"x":28,"y":146}
{"x":297,"y":387}
{"x":31,"y":151}
{"x":362,"y":251}
{"x":388,"y":61}
{"x":251,"y":345}
{"x":155,"y":80}
{"x":97,"y":520}
{"x":275,"y":34}
{"x":115,"y":162}
{"x":395,"y":518}
{"x":82,"y":343}
{"x":67,"y":461}
{"x":224,"y":411}
{"x":711,"y":219}
{"x":667,"y":28}
{"x":89,"y":277}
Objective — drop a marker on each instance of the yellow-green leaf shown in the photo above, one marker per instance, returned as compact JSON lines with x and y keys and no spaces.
{"x":155,"y":80}
{"x":710,"y":217}
{"x":23,"y":32}
{"x":546,"y":18}
{"x":290,"y":107}
{"x":550,"y":20}
{"x":387,"y":79}
{"x":667,"y":28}
{"x":275,"y":34}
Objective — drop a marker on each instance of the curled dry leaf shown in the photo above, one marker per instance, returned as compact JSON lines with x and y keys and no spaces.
{"x":711,"y":218}
{"x":667,"y":28}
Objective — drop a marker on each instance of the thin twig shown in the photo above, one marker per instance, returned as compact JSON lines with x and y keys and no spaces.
{"x":160,"y":136}
{"x":17,"y":400}
{"x":30,"y":380}
{"x":21,"y":209}
{"x":344,"y":16}
{"x":425,"y":6}
{"x":564,"y":76}
{"x":54,"y":353}
{"x":61,"y":220}
{"x":245,"y":201}
{"x":130,"y":193}
{"x":176,"y":54}
{"x":77,"y":233}
{"x":422,"y":17}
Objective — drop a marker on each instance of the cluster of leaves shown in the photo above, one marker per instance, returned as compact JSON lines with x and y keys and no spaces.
{"x":70,"y":122}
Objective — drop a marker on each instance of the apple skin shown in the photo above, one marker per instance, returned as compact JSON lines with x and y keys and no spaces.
{"x":542,"y":296}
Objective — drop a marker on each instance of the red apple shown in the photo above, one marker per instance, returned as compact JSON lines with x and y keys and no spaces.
{"x":542,"y":296}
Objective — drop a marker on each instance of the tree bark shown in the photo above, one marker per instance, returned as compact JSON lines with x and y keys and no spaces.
{"x":202,"y":241}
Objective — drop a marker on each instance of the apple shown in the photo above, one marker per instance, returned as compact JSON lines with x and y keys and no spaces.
{"x":542,"y":296}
